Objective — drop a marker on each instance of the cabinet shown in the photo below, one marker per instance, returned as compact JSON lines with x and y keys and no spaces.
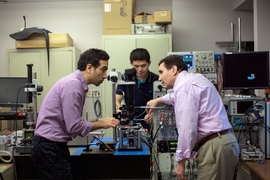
{"x":119,"y":47}
{"x":63,"y":61}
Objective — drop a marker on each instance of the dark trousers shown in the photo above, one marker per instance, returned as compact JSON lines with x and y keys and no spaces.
{"x":51,"y":159}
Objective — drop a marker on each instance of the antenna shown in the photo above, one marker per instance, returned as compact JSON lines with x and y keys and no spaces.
{"x":24,"y":22}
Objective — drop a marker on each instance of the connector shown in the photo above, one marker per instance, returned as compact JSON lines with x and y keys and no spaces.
{"x":94,"y":93}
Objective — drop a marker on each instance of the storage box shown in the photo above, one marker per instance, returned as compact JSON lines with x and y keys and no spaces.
{"x":118,"y":16}
{"x":144,"y":18}
{"x":38,"y":41}
{"x":163,"y":16}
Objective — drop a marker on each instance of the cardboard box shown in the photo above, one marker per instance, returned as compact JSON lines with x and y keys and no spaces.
{"x":38,"y":41}
{"x":163,"y":16}
{"x":118,"y":16}
{"x":144,"y":18}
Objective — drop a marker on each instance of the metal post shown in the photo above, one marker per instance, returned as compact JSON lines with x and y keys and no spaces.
{"x":114,"y":107}
{"x":239,"y":33}
{"x":232,"y":35}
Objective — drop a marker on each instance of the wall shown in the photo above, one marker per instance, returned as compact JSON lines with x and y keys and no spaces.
{"x":197,"y":24}
{"x":261,"y":28}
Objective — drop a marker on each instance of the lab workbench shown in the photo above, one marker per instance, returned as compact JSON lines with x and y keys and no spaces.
{"x":96,"y":164}
{"x":252,"y":170}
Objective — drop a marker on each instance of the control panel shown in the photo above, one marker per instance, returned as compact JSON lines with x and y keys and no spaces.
{"x":202,"y":62}
{"x":164,"y":119}
{"x":166,"y":140}
{"x":211,"y":77}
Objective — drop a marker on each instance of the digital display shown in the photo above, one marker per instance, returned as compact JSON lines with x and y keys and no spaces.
{"x":188,"y":58}
{"x":246,"y":70}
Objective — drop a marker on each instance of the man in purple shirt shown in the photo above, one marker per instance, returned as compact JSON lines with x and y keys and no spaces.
{"x":204,"y":131}
{"x":60,"y":116}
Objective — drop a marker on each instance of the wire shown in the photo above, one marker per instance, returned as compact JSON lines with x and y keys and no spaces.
{"x":97,"y":108}
{"x":157,"y":132}
{"x":151,"y":107}
{"x":3,"y":159}
{"x":101,"y":142}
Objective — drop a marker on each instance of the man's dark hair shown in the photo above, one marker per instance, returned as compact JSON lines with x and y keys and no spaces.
{"x":172,"y":60}
{"x":92,"y":56}
{"x":139,"y":54}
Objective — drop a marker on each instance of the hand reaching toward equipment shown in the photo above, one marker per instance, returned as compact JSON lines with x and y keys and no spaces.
{"x":148,"y":117}
{"x":107,"y":122}
{"x":153,"y":103}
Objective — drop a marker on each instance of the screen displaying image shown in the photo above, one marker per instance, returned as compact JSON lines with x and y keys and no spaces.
{"x":246,"y":70}
{"x":188,"y":58}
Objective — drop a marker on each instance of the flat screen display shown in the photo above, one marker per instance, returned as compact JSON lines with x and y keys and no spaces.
{"x":9,"y":88}
{"x":246,"y":70}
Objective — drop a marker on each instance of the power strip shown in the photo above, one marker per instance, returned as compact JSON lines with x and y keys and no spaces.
{"x":254,"y":154}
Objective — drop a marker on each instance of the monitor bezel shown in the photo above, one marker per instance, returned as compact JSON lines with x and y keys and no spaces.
{"x":226,"y":87}
{"x":21,"y":100}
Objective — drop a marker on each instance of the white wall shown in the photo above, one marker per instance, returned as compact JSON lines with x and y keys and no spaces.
{"x":197,"y":24}
{"x":261,"y":28}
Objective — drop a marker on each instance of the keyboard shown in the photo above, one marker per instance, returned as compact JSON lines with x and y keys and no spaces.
{"x":11,"y":116}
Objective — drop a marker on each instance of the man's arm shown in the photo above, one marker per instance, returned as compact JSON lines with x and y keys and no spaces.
{"x":108,"y":122}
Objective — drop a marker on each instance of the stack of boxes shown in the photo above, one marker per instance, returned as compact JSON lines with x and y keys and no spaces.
{"x":118,"y":16}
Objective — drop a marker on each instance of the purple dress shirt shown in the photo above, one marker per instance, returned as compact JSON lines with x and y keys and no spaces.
{"x":199,"y":111}
{"x":60,"y":115}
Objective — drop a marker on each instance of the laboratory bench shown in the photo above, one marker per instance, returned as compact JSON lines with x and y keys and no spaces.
{"x":96,"y":164}
{"x":252,"y":170}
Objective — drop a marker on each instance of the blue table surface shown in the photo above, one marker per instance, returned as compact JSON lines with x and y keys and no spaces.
{"x":144,"y":151}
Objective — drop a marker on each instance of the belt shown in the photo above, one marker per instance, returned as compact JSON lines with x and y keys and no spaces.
{"x":42,"y":139}
{"x":199,"y":144}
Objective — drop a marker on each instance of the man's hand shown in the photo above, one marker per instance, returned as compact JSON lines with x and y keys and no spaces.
{"x":108,"y":122}
{"x":152,"y":103}
{"x":180,"y":170}
{"x":148,"y":117}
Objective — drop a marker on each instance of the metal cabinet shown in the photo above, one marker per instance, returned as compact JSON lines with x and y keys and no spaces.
{"x":62,"y":62}
{"x":119,"y":48}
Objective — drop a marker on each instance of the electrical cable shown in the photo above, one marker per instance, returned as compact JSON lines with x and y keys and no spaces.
{"x":101,"y":142}
{"x":15,"y":138}
{"x":157,"y":132}
{"x":14,"y":163}
{"x":151,"y":107}
{"x":3,"y":159}
{"x":97,"y":108}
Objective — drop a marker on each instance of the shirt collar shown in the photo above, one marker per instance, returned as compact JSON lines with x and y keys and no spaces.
{"x":82,"y":80}
{"x":178,"y":79}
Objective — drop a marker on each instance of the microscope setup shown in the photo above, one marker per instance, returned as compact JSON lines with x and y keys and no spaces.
{"x":127,"y":129}
{"x":33,"y":90}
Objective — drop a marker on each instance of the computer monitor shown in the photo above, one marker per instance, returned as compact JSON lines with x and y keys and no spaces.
{"x":188,"y":58}
{"x":9,"y":89}
{"x":245,"y":70}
